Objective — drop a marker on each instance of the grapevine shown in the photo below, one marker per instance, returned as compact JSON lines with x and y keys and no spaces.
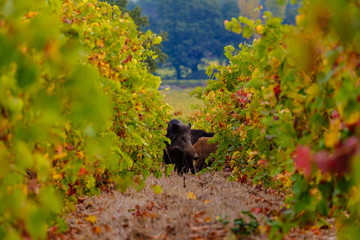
{"x":287,"y":112}
{"x":79,"y":113}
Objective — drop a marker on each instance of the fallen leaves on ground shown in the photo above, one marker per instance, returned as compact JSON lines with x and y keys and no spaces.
{"x":198,"y":211}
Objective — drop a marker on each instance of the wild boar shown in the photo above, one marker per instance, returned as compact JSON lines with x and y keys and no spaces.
{"x":180,"y":151}
{"x":198,"y":133}
{"x":204,"y":149}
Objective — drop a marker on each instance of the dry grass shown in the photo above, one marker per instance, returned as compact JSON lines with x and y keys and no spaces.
{"x":171,"y":215}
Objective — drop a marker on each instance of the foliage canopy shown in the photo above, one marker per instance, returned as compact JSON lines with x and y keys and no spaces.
{"x":79,"y":112}
{"x":287,"y":111}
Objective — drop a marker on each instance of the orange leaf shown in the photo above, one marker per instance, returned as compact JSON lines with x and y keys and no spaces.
{"x":206,"y":201}
{"x":316,"y":231}
{"x":96,"y":229}
{"x":31,"y":14}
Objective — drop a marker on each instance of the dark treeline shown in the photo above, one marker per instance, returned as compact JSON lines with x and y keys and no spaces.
{"x":195,"y":29}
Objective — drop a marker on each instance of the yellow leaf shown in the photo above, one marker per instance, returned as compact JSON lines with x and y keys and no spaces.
{"x":60,"y":155}
{"x":207,"y":219}
{"x":313,"y":91}
{"x":259,"y":29}
{"x":51,"y":88}
{"x":138,"y":107}
{"x":299,"y":19}
{"x":80,"y":154}
{"x":191,"y":195}
{"x":262,"y":229}
{"x":335,"y":125}
{"x":25,"y":189}
{"x":331,"y":138}
{"x":57,"y":176}
{"x":288,"y":183}
{"x":91,"y":219}
{"x":354,"y":118}
{"x":236,"y":154}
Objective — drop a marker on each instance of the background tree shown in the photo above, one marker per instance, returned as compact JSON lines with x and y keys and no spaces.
{"x":195,"y":29}
{"x":229,"y":9}
{"x":191,"y":26}
{"x":291,"y":12}
{"x":247,"y":8}
{"x":277,"y":10}
{"x":135,"y":12}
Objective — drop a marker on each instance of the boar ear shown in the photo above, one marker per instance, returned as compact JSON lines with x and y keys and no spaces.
{"x":189,"y":126}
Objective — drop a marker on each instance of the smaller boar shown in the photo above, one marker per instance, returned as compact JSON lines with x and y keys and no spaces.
{"x":204,"y":149}
{"x":198,"y":133}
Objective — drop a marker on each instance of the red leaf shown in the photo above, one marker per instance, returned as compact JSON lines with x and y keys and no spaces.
{"x":302,"y":159}
{"x":82,"y":171}
{"x":53,"y":230}
{"x":339,"y":162}
{"x":150,"y":205}
{"x":323,"y":161}
{"x":262,"y":162}
{"x":243,"y":178}
{"x":69,"y":147}
{"x":343,"y":155}
{"x":277,"y":91}
{"x":335,"y":114}
{"x":128,"y":59}
{"x":256,"y":210}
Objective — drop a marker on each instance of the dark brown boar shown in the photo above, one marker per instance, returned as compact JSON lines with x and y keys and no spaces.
{"x":198,"y":133}
{"x":204,"y":149}
{"x":180,"y":151}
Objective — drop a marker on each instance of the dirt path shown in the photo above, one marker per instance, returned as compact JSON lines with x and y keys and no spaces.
{"x":191,"y":212}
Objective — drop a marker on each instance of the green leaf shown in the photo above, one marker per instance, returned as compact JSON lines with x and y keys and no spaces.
{"x":157,"y":189}
{"x":7,"y":51}
{"x":24,"y":159}
{"x":27,"y":73}
{"x":61,"y":224}
{"x":322,"y":207}
{"x":300,"y":186}
{"x":51,"y":200}
{"x":169,"y":169}
{"x":267,"y":14}
{"x":36,"y":223}
{"x":236,"y":28}
{"x":247,"y":32}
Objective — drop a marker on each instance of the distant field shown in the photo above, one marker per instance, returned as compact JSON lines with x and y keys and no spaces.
{"x":181,"y":101}
{"x":191,"y":83}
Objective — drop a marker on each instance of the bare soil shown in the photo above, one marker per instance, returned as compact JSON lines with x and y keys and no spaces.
{"x":193,"y":207}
